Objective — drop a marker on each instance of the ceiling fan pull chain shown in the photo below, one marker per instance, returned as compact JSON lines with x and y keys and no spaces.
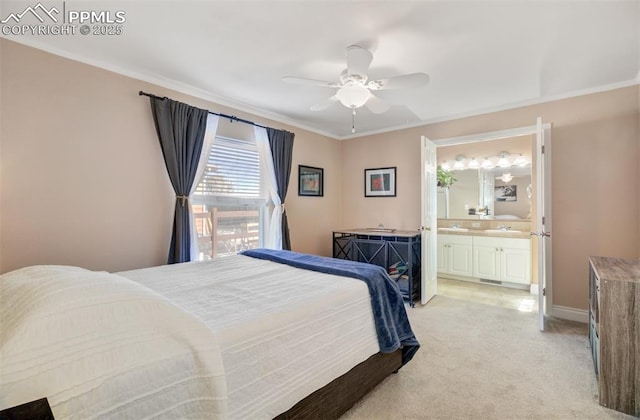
{"x":353,"y":120}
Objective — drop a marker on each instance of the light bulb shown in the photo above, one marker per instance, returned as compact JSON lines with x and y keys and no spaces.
{"x":520,"y":161}
{"x":473,"y":164}
{"x":487,"y":164}
{"x":503,"y":162}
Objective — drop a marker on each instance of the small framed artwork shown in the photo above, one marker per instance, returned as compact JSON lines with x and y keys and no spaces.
{"x":380,"y":182}
{"x":310,"y":181}
{"x":506,"y":193}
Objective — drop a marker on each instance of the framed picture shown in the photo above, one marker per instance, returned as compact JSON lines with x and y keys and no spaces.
{"x":380,"y":182}
{"x":506,"y":193}
{"x":310,"y":181}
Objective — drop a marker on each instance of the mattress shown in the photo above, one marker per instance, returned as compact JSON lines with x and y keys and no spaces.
{"x":97,"y":345}
{"x":283,"y":332}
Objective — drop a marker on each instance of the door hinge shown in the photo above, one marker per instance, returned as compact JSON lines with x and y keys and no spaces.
{"x":544,"y":291}
{"x":542,"y":149}
{"x":543,"y":220}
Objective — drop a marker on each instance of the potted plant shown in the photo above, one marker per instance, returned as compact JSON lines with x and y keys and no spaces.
{"x":445,"y":179}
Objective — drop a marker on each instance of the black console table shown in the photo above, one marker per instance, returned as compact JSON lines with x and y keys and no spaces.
{"x":398,"y":252}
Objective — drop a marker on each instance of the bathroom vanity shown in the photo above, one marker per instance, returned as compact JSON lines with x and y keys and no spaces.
{"x":491,"y":255}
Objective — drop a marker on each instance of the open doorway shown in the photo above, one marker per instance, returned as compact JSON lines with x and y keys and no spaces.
{"x":491,"y":226}
{"x":486,"y":188}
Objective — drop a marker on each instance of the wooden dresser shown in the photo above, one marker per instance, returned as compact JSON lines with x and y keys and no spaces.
{"x":614,"y":331}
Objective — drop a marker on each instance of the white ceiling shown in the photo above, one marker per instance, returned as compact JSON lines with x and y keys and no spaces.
{"x":481,"y":56}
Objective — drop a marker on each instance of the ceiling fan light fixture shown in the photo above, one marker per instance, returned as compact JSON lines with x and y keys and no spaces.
{"x":353,"y":96}
{"x":506,"y":177}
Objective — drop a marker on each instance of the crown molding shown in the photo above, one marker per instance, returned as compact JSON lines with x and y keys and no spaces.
{"x":243,"y":107}
{"x":170,"y":84}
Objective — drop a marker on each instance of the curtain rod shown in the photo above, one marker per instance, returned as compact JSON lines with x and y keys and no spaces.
{"x":231,"y":118}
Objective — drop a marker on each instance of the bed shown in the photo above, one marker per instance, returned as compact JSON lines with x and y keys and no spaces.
{"x":237,"y":337}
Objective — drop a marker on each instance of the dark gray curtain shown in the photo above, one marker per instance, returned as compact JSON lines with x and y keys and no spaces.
{"x":180,"y":129}
{"x":281,"y":144}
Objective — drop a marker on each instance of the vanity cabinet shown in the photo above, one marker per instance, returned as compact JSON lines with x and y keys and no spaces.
{"x":614,"y":331}
{"x":455,"y":255}
{"x":502,"y":259}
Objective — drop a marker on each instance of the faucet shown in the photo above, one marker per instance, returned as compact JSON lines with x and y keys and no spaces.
{"x":455,"y":226}
{"x":504,"y":227}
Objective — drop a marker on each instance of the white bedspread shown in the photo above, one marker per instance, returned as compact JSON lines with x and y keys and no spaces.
{"x":100,"y":346}
{"x":283,"y":332}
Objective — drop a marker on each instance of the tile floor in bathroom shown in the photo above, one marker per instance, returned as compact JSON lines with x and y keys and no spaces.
{"x":489,"y":294}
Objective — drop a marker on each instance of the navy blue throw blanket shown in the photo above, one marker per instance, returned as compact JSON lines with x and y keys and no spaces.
{"x":392,"y":323}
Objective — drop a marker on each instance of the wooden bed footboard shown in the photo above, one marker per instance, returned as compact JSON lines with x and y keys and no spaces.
{"x":338,"y":396}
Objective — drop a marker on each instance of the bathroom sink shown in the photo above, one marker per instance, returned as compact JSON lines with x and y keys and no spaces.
{"x":450,"y":229}
{"x":502,"y":231}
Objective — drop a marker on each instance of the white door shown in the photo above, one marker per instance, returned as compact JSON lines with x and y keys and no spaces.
{"x":429,"y":228}
{"x":543,"y":218}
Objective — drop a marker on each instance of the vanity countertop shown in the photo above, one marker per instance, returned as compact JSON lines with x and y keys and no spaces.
{"x":492,"y":233}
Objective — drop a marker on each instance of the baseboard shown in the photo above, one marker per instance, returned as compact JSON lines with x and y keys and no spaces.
{"x":571,"y":314}
{"x":534,"y":289}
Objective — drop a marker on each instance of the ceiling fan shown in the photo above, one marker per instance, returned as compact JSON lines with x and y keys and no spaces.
{"x":354,"y":87}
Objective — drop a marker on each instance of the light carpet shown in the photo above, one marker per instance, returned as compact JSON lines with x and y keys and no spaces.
{"x":485,"y":362}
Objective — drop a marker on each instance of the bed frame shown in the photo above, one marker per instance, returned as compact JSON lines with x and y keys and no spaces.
{"x":329,"y":402}
{"x":338,"y":396}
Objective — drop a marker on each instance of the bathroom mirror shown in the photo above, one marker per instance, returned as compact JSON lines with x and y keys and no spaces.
{"x":482,"y":194}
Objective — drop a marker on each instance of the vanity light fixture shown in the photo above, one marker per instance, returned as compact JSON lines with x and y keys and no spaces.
{"x":487,"y":164}
{"x":503,"y":162}
{"x":459,"y":164}
{"x":520,"y":161}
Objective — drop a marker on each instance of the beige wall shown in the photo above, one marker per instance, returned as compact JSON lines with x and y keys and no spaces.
{"x":595,"y":182}
{"x":82,"y":176}
{"x":400,"y":212}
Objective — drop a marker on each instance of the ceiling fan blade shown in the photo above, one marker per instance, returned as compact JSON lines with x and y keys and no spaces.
{"x":324,"y":104}
{"x":308,"y":82}
{"x":358,"y":60}
{"x":400,"y":82}
{"x":377,"y":105}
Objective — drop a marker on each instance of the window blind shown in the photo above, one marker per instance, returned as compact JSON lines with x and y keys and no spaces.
{"x":232,"y":171}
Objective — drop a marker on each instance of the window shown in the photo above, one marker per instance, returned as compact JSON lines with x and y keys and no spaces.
{"x":227,"y":203}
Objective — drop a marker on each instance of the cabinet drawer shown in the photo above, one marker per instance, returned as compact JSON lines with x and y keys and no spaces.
{"x":515,"y":243}
{"x":455,"y":239}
